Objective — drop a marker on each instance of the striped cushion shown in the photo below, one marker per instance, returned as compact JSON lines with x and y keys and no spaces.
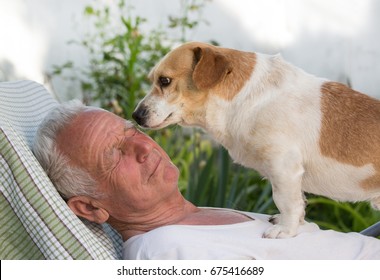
{"x":35,"y":222}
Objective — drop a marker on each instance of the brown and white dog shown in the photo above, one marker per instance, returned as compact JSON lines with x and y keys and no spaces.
{"x":301,"y":132}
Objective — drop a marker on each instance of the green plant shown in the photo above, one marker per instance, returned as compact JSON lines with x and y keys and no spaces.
{"x":117,"y":72}
{"x":190,"y":17}
{"x":218,"y":182}
{"x":341,"y":216}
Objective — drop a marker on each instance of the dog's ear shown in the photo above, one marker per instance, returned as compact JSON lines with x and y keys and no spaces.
{"x":210,"y":67}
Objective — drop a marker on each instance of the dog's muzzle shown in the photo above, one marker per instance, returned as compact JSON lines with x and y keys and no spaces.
{"x":140,"y":115}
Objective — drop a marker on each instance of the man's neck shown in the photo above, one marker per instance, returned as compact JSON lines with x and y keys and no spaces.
{"x":163,"y":216}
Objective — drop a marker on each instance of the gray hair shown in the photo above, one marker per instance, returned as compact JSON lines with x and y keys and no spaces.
{"x":69,"y":180}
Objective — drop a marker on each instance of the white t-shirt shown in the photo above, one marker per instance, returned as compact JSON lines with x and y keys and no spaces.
{"x":244,"y":241}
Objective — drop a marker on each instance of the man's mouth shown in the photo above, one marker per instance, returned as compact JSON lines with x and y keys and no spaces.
{"x":155,"y":168}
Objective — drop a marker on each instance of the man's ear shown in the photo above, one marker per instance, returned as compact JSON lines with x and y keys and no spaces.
{"x":83,"y":206}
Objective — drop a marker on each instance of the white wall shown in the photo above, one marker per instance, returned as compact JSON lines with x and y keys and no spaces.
{"x":335,"y":39}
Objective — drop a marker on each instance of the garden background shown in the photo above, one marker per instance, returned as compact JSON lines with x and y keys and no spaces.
{"x":101,"y":52}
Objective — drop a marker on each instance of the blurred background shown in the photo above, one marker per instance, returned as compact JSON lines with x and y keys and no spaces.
{"x":336,"y":39}
{"x":101,"y":51}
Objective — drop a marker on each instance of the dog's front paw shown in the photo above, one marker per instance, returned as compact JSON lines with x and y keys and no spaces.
{"x":275,"y":219}
{"x":279,"y":231}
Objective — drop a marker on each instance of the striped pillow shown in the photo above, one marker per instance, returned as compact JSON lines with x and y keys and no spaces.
{"x":35,"y":221}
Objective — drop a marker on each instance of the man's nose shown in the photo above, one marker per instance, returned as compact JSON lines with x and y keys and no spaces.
{"x":142,"y":150}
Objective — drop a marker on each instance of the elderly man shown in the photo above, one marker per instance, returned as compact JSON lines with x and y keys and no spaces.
{"x":108,"y":171}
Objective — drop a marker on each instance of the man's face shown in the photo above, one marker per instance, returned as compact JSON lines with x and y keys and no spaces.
{"x":133,"y":171}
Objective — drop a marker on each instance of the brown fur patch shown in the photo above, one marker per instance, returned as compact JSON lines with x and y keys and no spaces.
{"x":241,"y":65}
{"x":210,"y":68}
{"x":350,"y":131}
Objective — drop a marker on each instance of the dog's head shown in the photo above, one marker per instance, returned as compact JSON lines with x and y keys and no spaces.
{"x":184,"y":80}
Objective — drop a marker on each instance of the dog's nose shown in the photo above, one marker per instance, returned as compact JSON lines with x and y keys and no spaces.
{"x":140,"y":115}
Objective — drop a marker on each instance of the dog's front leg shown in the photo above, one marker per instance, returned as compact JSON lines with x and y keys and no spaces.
{"x":286,"y":180}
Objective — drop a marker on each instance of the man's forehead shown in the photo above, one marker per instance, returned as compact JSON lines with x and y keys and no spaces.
{"x":92,"y":122}
{"x":99,"y":111}
{"x":92,"y":127}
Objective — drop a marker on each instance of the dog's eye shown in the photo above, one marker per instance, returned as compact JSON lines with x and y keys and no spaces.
{"x":164,"y":81}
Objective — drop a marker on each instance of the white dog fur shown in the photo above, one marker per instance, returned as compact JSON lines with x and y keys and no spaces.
{"x":301,"y":132}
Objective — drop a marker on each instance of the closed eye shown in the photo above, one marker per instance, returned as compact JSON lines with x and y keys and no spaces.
{"x":111,"y":158}
{"x":117,"y":149}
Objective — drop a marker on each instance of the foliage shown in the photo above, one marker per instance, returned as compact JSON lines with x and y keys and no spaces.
{"x":121,"y":55}
{"x":341,"y":216}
